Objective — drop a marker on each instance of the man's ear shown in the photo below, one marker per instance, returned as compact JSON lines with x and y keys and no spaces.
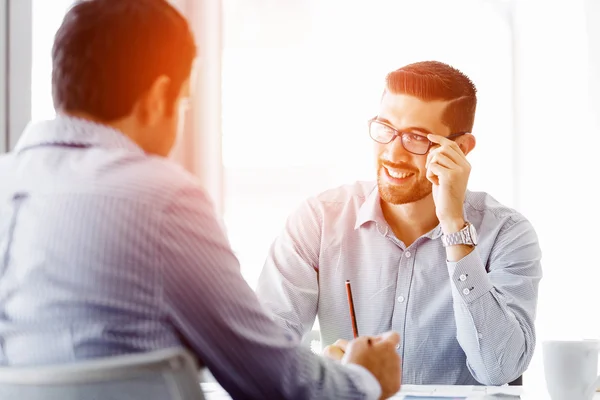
{"x":466,"y":143}
{"x":154,"y":103}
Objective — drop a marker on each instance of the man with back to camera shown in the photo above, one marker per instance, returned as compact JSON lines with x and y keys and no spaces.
{"x":453,"y":271}
{"x":108,"y":248}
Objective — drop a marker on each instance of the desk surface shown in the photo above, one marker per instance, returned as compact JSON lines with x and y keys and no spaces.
{"x":213,"y":391}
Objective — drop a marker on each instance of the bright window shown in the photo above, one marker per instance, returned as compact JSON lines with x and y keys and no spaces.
{"x":46,"y":19}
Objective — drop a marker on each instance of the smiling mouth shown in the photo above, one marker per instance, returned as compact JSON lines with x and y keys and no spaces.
{"x":398,"y":173}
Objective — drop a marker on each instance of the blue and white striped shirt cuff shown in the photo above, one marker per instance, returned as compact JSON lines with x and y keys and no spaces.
{"x":470,"y":277}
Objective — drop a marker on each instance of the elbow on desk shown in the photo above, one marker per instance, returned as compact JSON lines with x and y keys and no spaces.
{"x":500,"y":367}
{"x":497,"y":380}
{"x":503,"y":373}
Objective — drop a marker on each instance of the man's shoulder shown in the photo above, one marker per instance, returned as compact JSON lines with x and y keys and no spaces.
{"x":338,"y":203}
{"x":485,"y":206}
{"x":353,"y":192}
{"x":148,"y":179}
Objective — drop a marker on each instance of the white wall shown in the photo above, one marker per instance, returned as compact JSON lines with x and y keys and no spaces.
{"x":199,"y":148}
{"x":557,"y":141}
{"x":592,"y":9}
{"x":557,"y":159}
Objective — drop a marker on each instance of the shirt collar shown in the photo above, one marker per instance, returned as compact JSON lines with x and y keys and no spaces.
{"x":67,"y":130}
{"x":370,"y":211}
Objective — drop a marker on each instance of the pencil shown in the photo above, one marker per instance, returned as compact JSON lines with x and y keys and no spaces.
{"x":351,"y":305}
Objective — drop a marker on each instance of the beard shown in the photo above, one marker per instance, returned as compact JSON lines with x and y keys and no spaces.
{"x":397,"y":194}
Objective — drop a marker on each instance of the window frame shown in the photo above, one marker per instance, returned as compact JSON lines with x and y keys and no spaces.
{"x":15,"y":70}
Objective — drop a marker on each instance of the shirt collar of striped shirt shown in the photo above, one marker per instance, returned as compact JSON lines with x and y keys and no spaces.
{"x":370,"y":211}
{"x":73,"y":131}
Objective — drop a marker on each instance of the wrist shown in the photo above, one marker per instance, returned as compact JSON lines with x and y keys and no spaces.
{"x":452,"y":225}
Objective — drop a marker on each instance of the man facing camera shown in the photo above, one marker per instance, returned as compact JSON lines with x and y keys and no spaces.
{"x":107,"y":248}
{"x":455,"y":272}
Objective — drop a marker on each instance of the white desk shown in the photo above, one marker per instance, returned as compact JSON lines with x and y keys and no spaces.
{"x":214,"y":392}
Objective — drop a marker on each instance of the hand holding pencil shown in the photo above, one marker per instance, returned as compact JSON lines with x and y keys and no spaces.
{"x":377,"y":354}
{"x":337,"y":350}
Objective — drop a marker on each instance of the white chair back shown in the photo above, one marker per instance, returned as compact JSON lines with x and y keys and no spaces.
{"x":168,"y":374}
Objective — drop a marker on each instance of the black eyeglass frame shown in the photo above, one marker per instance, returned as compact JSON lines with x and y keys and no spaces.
{"x":400,"y":134}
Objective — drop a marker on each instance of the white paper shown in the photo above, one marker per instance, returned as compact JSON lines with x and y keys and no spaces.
{"x":213,"y":391}
{"x":470,"y":392}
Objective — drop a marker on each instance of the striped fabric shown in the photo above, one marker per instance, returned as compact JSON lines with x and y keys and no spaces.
{"x":106,"y":251}
{"x":469,"y":322}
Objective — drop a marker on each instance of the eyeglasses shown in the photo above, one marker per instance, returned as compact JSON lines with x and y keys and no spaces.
{"x":412,"y":142}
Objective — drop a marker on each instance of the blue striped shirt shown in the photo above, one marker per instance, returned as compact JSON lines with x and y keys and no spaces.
{"x":461,"y":323}
{"x":105,"y":250}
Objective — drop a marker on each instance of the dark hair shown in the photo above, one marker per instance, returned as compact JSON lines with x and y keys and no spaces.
{"x":433,"y":80}
{"x":108,"y":53}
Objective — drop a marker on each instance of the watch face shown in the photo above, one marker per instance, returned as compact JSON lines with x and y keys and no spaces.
{"x":473,"y":233}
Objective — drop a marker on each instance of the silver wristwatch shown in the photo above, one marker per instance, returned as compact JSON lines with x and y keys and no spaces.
{"x":467,"y":235}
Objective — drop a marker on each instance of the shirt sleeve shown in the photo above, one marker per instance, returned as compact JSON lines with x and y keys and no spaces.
{"x":495,"y":310}
{"x":223,"y":323}
{"x":288,"y":284}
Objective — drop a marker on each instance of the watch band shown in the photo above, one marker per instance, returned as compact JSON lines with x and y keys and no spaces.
{"x":464,"y":236}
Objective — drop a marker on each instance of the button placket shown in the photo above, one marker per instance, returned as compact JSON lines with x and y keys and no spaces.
{"x":405,"y":274}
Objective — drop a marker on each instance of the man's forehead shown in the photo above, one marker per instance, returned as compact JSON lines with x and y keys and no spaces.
{"x":405,"y":102}
{"x":409,"y":111}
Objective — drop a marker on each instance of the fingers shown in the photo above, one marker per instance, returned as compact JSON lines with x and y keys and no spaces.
{"x":442,"y":141}
{"x":376,"y":339}
{"x":440,"y":165}
{"x":442,"y":159}
{"x":360,"y":341}
{"x":391,"y":337}
{"x":337,"y":350}
{"x":450,"y":148}
{"x":436,"y":171}
{"x":342,"y":344}
{"x":432,"y":173}
{"x":333,"y":352}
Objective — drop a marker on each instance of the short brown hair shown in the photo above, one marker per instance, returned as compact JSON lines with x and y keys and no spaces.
{"x":108,"y":53}
{"x":434,"y":80}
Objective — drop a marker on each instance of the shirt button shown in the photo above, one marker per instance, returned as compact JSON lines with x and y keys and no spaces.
{"x":462,"y":278}
{"x":479,"y":335}
{"x":466,"y":291}
{"x":407,"y":254}
{"x":400,"y":299}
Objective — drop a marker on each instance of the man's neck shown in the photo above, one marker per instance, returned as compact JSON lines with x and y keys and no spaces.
{"x":410,"y":221}
{"x":126,"y":125}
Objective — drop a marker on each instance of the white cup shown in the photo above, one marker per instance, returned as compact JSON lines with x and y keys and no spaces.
{"x":571,"y":369}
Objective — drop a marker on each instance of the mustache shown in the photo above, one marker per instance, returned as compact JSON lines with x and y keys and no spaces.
{"x":403,"y":166}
